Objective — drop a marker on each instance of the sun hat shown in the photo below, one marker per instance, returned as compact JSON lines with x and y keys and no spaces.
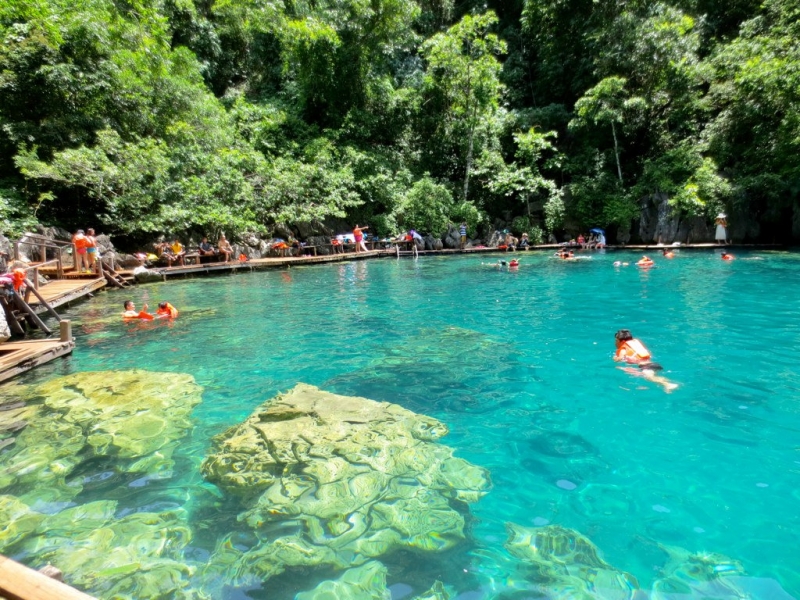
{"x":721,"y":215}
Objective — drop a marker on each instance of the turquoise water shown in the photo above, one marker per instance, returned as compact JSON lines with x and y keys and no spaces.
{"x":518,"y":365}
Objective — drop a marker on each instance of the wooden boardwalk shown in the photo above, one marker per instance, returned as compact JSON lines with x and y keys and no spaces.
{"x":18,"y":357}
{"x":266,"y":263}
{"x":62,"y":291}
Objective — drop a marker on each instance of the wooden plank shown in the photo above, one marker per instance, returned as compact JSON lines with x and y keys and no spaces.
{"x":27,"y":355}
{"x":18,"y":582}
{"x":63,"y":291}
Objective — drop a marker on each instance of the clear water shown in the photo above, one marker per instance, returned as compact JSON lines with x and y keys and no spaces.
{"x":531,"y":394}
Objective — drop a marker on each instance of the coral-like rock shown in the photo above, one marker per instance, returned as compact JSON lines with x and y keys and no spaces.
{"x":361,"y":478}
{"x":367,"y":582}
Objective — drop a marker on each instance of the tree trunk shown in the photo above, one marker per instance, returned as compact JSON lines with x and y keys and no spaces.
{"x":469,"y":166}
{"x":616,"y":151}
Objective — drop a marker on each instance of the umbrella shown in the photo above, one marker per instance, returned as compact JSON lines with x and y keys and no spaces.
{"x":597,"y":230}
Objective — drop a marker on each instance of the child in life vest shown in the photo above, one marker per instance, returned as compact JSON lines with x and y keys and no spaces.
{"x":632,"y":351}
{"x":166,"y":311}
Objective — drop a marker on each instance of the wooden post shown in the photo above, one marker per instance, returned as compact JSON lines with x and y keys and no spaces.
{"x":43,"y":250}
{"x":74,"y":257}
{"x":35,"y":278}
{"x":60,"y":264}
{"x":16,"y":250}
{"x":99,"y":262}
{"x":66,"y":330}
{"x":44,"y":302}
{"x":10,"y":318}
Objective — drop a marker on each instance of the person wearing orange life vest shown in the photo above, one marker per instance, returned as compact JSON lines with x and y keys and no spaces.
{"x":131,"y":314}
{"x":166,"y":311}
{"x":645,"y":261}
{"x":358,"y":236}
{"x":81,"y":243}
{"x":19,"y":277}
{"x":632,"y":351}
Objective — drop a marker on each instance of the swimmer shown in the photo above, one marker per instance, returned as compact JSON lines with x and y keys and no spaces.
{"x":166,"y":311}
{"x":667,"y":253}
{"x":513,"y":264}
{"x":645,"y":261}
{"x":131,"y":312}
{"x":726,"y":256}
{"x":632,"y":351}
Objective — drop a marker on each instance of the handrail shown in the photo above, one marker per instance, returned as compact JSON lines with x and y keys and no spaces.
{"x":40,"y":239}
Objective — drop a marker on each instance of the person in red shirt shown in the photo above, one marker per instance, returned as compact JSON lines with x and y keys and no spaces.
{"x":358,"y":236}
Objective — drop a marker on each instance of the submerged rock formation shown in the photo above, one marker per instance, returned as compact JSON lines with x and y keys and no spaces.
{"x":561,"y":558}
{"x":138,"y":417}
{"x":343,"y":479}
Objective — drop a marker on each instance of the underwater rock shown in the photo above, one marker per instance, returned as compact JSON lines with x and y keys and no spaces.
{"x":563,"y":559}
{"x":702,"y":575}
{"x":361,"y":478}
{"x":438,"y":591}
{"x":138,"y":416}
{"x":367,"y":582}
{"x":136,"y":556}
{"x":17,"y":521}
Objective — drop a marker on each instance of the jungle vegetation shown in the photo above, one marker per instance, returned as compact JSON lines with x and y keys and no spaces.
{"x":145,"y":116}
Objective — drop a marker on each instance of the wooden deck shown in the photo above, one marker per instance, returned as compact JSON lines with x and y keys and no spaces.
{"x":62,"y":291}
{"x":18,"y":357}
{"x":266,"y":263}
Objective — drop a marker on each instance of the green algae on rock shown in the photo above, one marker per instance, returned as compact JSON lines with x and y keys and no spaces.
{"x":706,"y":575}
{"x":367,"y":582}
{"x":562,"y":559}
{"x":136,"y":417}
{"x":136,"y":556}
{"x":17,"y":522}
{"x":359,"y":478}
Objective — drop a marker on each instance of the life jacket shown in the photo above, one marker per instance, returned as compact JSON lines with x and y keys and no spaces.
{"x":142,"y":315}
{"x":357,"y":233}
{"x":513,"y":263}
{"x":168,"y":310}
{"x":633,"y":351}
{"x":19,"y":277}
{"x":242,"y":258}
{"x":645,"y":262}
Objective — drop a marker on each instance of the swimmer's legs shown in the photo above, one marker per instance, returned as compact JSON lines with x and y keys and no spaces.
{"x":650,"y":375}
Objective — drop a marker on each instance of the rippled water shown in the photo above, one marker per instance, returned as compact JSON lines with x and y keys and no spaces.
{"x":518,"y":365}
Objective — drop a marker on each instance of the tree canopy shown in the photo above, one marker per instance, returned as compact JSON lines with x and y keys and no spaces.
{"x":146,"y":116}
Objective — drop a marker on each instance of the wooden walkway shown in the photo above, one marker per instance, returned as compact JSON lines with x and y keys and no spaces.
{"x":62,"y":291}
{"x":266,"y":263}
{"x":18,"y":357}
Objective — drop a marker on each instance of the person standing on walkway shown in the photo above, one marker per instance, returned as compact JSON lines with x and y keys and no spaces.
{"x":462,"y":229}
{"x":721,"y":235}
{"x":79,"y":241}
{"x":91,"y":250}
{"x":358,"y":236}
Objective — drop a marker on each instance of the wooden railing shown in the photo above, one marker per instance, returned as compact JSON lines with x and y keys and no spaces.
{"x":18,"y":582}
{"x":44,"y":244}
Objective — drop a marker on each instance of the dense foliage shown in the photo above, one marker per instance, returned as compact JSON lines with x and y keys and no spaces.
{"x":149,"y":116}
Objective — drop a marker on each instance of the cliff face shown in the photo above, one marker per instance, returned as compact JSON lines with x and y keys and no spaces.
{"x":660,"y":223}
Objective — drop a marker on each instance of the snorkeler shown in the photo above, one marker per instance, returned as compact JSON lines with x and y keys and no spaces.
{"x":632,"y":351}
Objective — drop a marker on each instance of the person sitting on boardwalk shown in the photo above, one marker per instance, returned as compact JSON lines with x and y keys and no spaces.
{"x":166,"y":311}
{"x":524,"y":243}
{"x":224,"y":247}
{"x":633,"y":352}
{"x":131,"y":313}
{"x":177,"y":253}
{"x":205,"y":249}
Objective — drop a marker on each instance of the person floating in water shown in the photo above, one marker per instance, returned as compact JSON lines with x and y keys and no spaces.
{"x":513,"y":264}
{"x":645,"y":261}
{"x":667,"y":253}
{"x":166,"y":311}
{"x":633,"y":352}
{"x":726,"y":256}
{"x":131,"y":313}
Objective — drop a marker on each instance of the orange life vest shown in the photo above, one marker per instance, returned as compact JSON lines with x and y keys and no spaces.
{"x":633,"y":351}
{"x":142,"y":315}
{"x":18,"y":276}
{"x":168,"y":310}
{"x":645,"y":262}
{"x":80,"y":241}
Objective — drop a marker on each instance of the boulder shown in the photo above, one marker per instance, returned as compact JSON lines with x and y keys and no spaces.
{"x":5,"y":331}
{"x":128,"y":261}
{"x":145,"y":275}
{"x":431,"y":243}
{"x":452,"y":239}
